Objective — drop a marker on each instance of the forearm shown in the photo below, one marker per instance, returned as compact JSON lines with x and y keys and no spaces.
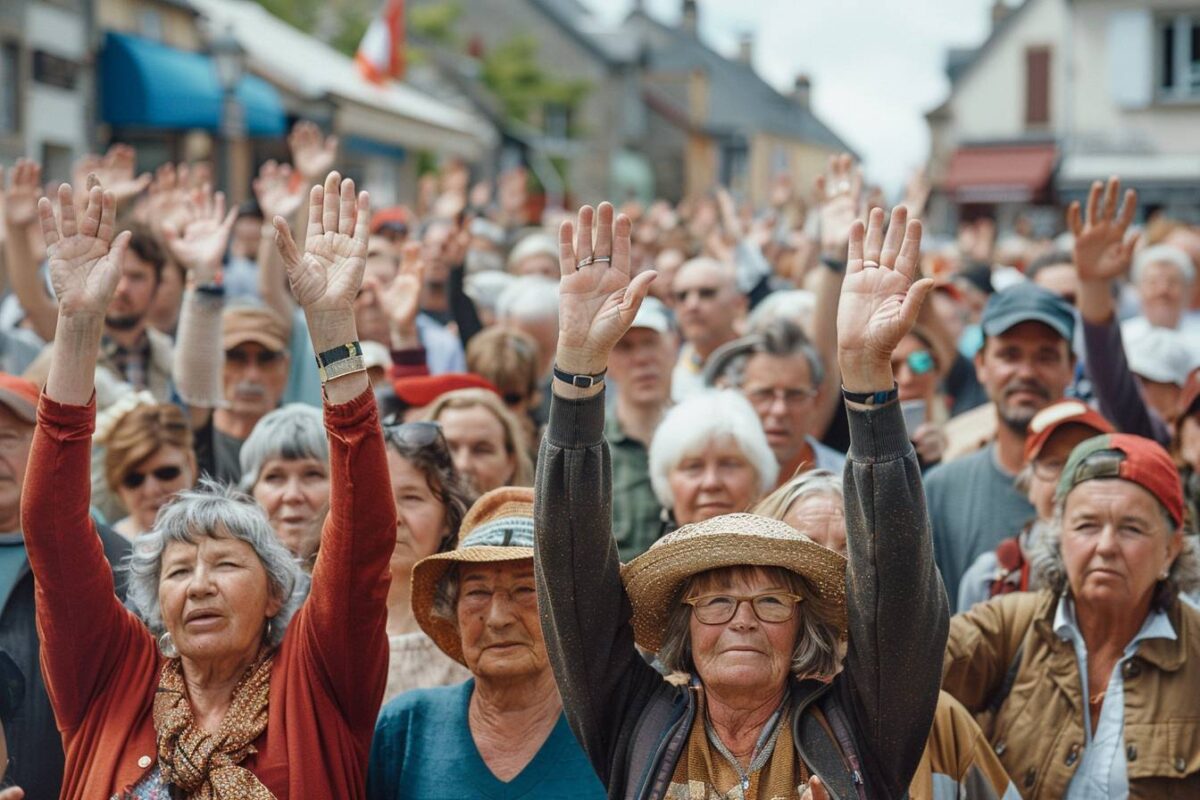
{"x":22,"y":264}
{"x":1095,"y":301}
{"x":272,"y":276}
{"x":198,"y":355}
{"x":824,"y":336}
{"x":1116,"y":388}
{"x":466,"y":316}
{"x":73,"y":361}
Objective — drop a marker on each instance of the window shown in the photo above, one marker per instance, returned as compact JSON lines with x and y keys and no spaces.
{"x":1037,"y":86}
{"x":1179,"y":56}
{"x":54,"y":71}
{"x":10,"y":91}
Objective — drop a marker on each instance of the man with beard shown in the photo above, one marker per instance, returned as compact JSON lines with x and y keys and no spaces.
{"x":1025,"y":364}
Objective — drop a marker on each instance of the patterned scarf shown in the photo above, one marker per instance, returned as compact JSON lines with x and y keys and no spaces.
{"x":703,"y":773}
{"x":204,"y":766}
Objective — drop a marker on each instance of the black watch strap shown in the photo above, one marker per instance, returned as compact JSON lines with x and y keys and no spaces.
{"x":579,"y":381}
{"x":871,"y":398}
{"x":340,"y":353}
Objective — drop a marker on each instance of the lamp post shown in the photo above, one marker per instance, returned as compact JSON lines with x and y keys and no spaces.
{"x":230,"y":62}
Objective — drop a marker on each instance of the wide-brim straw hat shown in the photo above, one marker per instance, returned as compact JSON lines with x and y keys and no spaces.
{"x":654,"y":579}
{"x":498,"y":528}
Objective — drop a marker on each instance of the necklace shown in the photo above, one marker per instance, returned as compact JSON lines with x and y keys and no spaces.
{"x":762,"y":749}
{"x":1097,"y":698}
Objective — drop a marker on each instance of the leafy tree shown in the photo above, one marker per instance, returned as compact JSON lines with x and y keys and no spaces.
{"x":511,"y":71}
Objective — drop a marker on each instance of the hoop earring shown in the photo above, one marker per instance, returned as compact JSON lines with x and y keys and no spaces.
{"x":270,"y":628}
{"x":166,"y":646}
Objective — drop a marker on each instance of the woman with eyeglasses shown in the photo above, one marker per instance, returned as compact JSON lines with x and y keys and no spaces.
{"x":431,"y":500}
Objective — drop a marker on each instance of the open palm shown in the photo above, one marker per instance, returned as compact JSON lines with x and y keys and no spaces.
{"x":1102,"y":252}
{"x":199,"y":243}
{"x":21,"y":199}
{"x":328,"y":275}
{"x":273,"y":188}
{"x":85,"y":258}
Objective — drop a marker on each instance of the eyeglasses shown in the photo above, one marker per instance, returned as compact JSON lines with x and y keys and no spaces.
{"x":263,"y":358}
{"x":1049,"y":471}
{"x":792,"y":398}
{"x":717,"y":609}
{"x":920,"y":362}
{"x":703,"y":292}
{"x":163,"y":475}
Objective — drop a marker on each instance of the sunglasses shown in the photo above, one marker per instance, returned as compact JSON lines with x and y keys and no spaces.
{"x":703,"y":292}
{"x":163,"y":475}
{"x":920,"y":362}
{"x":425,"y":436}
{"x":264,"y":358}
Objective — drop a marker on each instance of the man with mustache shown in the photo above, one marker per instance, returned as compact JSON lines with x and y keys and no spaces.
{"x":1025,"y":364}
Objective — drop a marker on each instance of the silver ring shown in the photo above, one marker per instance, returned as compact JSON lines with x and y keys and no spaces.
{"x":583,"y":262}
{"x":871,"y":264}
{"x":602,"y":259}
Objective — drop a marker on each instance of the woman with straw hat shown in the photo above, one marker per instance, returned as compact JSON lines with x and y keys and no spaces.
{"x":502,"y":733}
{"x":794,"y":687}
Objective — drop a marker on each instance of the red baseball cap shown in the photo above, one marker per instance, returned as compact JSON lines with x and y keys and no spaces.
{"x":421,"y":391}
{"x":1134,"y":458}
{"x":1054,"y":416}
{"x":19,"y":396}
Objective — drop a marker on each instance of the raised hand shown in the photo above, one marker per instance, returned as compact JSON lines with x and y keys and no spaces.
{"x":880,"y":298}
{"x":402,"y":298}
{"x":839,"y":195}
{"x":328,"y":275}
{"x":21,"y":197}
{"x":1102,"y":250}
{"x":85,"y":258}
{"x":198,"y":243}
{"x":277,"y":196}
{"x":312,"y":152}
{"x":598,"y":296}
{"x":116,"y":172}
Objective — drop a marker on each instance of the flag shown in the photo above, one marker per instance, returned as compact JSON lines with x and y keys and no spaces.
{"x":380,"y":55}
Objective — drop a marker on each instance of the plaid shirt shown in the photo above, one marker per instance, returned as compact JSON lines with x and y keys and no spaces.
{"x":131,"y":363}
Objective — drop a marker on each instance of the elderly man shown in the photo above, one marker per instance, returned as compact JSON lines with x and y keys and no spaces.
{"x":34,"y":742}
{"x":708,"y":306}
{"x":640,"y":366}
{"x":1163,"y":276}
{"x":1025,"y":364}
{"x":530,"y":304}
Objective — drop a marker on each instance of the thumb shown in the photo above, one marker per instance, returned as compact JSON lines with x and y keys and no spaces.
{"x":635,"y":293}
{"x":913,"y":300}
{"x":285,"y":243}
{"x":120,"y":245}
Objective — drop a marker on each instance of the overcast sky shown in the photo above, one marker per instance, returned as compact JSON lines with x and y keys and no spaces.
{"x":876,"y":65}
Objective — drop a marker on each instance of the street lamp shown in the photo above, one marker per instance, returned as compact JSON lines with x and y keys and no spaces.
{"x":230,"y":62}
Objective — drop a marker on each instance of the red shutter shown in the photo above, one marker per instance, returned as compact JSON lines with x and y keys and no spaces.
{"x":1037,"y":86}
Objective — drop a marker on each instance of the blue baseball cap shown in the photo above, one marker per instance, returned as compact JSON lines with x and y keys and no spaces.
{"x":1027,"y":302}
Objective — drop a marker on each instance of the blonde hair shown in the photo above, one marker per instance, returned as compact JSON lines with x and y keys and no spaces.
{"x":140,"y":434}
{"x":513,"y":435}
{"x":506,"y":357}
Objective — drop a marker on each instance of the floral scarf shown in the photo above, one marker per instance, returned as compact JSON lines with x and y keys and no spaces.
{"x":202,"y":765}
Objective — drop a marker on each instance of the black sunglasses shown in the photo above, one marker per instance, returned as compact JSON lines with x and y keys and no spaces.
{"x":703,"y":292}
{"x":163,"y":474}
{"x":263,"y":358}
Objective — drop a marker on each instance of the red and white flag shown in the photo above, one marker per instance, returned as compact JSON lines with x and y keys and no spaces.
{"x":380,"y":55}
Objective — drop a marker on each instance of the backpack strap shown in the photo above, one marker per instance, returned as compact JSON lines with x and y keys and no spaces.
{"x":833,"y":720}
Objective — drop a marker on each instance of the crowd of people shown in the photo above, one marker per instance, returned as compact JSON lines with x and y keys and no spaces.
{"x":698,"y":501}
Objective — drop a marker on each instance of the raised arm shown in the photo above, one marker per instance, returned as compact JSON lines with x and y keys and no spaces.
{"x":20,"y":219}
{"x":585,"y":611}
{"x":898,"y":613}
{"x":84,"y":629}
{"x":344,"y":618}
{"x":277,"y":197}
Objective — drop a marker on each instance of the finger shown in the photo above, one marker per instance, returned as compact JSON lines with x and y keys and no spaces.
{"x":410,"y":258}
{"x":46,"y":218}
{"x":819,"y":188}
{"x":604,"y":230}
{"x":108,"y":217}
{"x":856,"y":180}
{"x":92,"y":183}
{"x":911,"y":306}
{"x":316,"y":199}
{"x":635,"y":293}
{"x":66,"y":208}
{"x":895,"y":235}
{"x":1074,"y":219}
{"x":1093,"y":202}
{"x":566,"y":248}
{"x":346,"y":207}
{"x":120,"y":246}
{"x":285,"y":243}
{"x":362,"y":219}
{"x":1110,"y":197}
{"x":329,"y":213}
{"x":218,"y":206}
{"x":583,"y":234}
{"x":227,"y":224}
{"x":91,"y":213}
{"x":621,"y":245}
{"x":874,"y":240}
{"x":908,"y":263}
{"x":854,"y":251}
{"x":1128,"y":209}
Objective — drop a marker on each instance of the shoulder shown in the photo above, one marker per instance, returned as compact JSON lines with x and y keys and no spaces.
{"x":442,"y":702}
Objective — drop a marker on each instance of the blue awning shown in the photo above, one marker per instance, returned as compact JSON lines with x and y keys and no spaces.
{"x":146,"y":84}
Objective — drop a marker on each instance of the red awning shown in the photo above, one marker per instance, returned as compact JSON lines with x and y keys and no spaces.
{"x":1003,"y":174}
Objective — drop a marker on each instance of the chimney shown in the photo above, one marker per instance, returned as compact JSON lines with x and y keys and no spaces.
{"x":802,"y":90}
{"x":746,"y":48}
{"x":691,"y":17}
{"x":1000,"y":10}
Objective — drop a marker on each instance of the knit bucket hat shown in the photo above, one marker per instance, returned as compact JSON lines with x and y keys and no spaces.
{"x":498,"y":528}
{"x":654,"y":579}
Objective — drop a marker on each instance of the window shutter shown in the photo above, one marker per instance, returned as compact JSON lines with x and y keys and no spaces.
{"x":1131,"y":58}
{"x":1037,"y":86}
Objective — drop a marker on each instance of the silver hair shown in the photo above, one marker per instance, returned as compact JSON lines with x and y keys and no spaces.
{"x":295,"y":431}
{"x":812,"y":482}
{"x":529,"y":297}
{"x":1048,"y":569}
{"x":1168,"y":254}
{"x":214,"y":510}
{"x":794,"y":305}
{"x":819,"y":648}
{"x":778,"y":337}
{"x":698,"y":420}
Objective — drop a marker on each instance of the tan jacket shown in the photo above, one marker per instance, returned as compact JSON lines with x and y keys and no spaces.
{"x":1038,"y":731}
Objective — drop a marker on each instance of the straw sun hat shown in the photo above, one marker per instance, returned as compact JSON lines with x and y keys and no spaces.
{"x":654,"y":579}
{"x":498,"y":528}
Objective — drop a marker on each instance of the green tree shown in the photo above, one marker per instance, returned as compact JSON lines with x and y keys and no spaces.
{"x":511,"y":71}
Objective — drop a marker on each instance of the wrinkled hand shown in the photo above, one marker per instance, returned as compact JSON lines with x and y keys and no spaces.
{"x":166,"y":203}
{"x":839,"y":195}
{"x":880,"y":297}
{"x":328,"y":275}
{"x":312,"y":152}
{"x":1102,"y":252}
{"x":21,"y":198}
{"x":597,"y":301}
{"x":916,"y":192}
{"x":198,"y":243}
{"x":85,"y":258}
{"x":116,"y":172}
{"x":277,"y":196}
{"x":402,"y":299}
{"x":815,"y":790}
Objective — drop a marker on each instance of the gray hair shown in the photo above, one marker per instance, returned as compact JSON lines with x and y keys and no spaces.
{"x":698,"y":420}
{"x":528,"y":297}
{"x":819,"y":646}
{"x":778,"y":337}
{"x":214,"y":511}
{"x":1168,"y":254}
{"x":794,"y":305}
{"x":291,"y":433}
{"x":812,"y":482}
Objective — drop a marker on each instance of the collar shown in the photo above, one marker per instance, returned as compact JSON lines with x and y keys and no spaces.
{"x":109,"y":346}
{"x":1156,"y":626}
{"x":613,"y":431}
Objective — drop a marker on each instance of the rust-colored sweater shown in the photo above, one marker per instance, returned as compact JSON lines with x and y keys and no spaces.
{"x":102,"y":665}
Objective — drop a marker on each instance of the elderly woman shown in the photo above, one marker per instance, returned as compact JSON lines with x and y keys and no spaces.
{"x":148,"y":458}
{"x":230,"y":684}
{"x":486,"y":440}
{"x":431,"y":500}
{"x":1093,"y":680}
{"x":709,"y":456}
{"x":792,"y":685}
{"x":502,"y":733}
{"x":285,"y":468}
{"x":812,"y":503}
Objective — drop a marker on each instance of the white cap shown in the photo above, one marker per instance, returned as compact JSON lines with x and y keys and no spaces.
{"x":1160,"y":355}
{"x":653,"y":315}
{"x":375,"y":354}
{"x":533,"y":244}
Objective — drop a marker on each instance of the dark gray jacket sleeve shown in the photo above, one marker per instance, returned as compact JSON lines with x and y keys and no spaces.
{"x":898,"y":615}
{"x":1117,"y":390}
{"x":585,"y":612}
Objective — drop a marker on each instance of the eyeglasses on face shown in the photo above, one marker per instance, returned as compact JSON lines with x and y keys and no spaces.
{"x":165,"y":474}
{"x":703,"y":292}
{"x":717,"y":609}
{"x":263,"y":358}
{"x":766,"y":395}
